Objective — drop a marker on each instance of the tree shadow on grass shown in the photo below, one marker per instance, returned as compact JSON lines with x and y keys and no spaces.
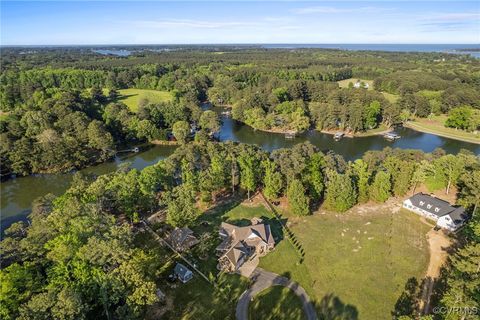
{"x":277,"y":302}
{"x":332,"y":308}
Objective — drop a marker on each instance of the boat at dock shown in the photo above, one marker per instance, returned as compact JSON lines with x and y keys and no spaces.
{"x":391,"y":136}
{"x":337,"y":136}
{"x":290,"y":135}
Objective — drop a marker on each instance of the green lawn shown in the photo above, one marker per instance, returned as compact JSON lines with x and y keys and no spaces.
{"x":372,"y":132}
{"x":392,"y":98}
{"x":362,"y":272}
{"x":345,"y":83}
{"x":131,"y":97}
{"x":341,"y":275}
{"x":435,"y":125}
{"x":276,"y":303}
{"x":197,"y":299}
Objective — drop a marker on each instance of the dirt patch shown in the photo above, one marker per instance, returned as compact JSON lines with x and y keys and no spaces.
{"x":450,"y":197}
{"x":438,"y":242}
{"x":255,"y":201}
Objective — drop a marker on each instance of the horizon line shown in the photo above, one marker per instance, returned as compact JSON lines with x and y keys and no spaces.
{"x":233,"y":43}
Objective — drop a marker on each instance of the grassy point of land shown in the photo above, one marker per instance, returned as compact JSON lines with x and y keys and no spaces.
{"x":131,"y":97}
{"x":435,"y":125}
{"x":382,"y":129}
{"x":276,"y":303}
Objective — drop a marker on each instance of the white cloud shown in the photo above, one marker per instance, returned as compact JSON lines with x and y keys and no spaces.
{"x":186,"y":23}
{"x":333,"y":10}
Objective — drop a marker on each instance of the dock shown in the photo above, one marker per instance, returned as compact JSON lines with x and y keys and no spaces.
{"x":290,"y":135}
{"x":391,"y":136}
{"x":339,"y":135}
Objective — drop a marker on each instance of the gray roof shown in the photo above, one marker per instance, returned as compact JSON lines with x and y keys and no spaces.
{"x":458,"y":215}
{"x":182,"y":238}
{"x":438,"y":206}
{"x":237,"y":239}
{"x":181,"y":270}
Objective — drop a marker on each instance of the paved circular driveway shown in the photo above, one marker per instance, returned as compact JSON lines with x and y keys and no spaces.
{"x":264,"y":279}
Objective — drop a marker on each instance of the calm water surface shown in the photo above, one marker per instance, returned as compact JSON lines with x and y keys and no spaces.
{"x":18,"y":194}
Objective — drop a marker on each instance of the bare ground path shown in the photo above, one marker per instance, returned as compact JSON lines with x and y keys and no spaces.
{"x":264,"y":279}
{"x":438,"y":243}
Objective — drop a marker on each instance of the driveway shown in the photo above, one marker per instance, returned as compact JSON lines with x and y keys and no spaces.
{"x":264,"y":279}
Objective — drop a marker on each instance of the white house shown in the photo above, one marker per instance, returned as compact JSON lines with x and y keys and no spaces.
{"x":447,"y":216}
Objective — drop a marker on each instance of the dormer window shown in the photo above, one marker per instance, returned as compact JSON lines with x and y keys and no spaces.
{"x":437,"y":209}
{"x":429,"y":206}
{"x":422,"y":203}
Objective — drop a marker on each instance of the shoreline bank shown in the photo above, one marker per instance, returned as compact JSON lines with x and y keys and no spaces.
{"x":420,"y":128}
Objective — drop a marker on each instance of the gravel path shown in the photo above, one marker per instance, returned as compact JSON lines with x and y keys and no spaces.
{"x":264,"y":279}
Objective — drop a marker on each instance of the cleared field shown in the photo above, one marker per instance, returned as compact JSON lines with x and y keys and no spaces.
{"x":356,"y":263}
{"x":390,"y":97}
{"x":435,"y":125}
{"x":276,"y":303}
{"x":131,"y":97}
{"x":344,"y":83}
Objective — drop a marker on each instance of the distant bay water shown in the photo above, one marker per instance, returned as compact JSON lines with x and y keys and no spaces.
{"x":471,"y":49}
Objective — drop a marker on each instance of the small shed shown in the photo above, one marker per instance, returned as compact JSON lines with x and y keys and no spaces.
{"x":182,"y":273}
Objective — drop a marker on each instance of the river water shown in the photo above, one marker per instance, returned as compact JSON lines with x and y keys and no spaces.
{"x":18,"y":194}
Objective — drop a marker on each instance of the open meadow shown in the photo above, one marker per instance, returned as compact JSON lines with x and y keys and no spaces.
{"x":355,"y":262}
{"x":132,"y":97}
{"x":436,"y":125}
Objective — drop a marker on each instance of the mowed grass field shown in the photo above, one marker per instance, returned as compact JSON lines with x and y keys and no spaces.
{"x":344,"y":84}
{"x":436,"y":125}
{"x":276,"y":303}
{"x":131,"y":97}
{"x":355,"y":264}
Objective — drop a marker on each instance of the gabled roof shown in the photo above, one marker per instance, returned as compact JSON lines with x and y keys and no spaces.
{"x":431,"y":204}
{"x":182,"y":238}
{"x":236,"y":252}
{"x":237,"y":240}
{"x":458,"y":215}
{"x":181,"y":270}
{"x":241,"y":233}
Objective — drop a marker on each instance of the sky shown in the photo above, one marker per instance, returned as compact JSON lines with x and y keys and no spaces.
{"x":201,"y":22}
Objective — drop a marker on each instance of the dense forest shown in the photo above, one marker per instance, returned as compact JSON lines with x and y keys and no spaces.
{"x":76,"y":259}
{"x":60,"y":109}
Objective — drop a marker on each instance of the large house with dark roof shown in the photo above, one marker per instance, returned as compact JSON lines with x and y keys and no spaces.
{"x":241,"y":243}
{"x":446,"y":215}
